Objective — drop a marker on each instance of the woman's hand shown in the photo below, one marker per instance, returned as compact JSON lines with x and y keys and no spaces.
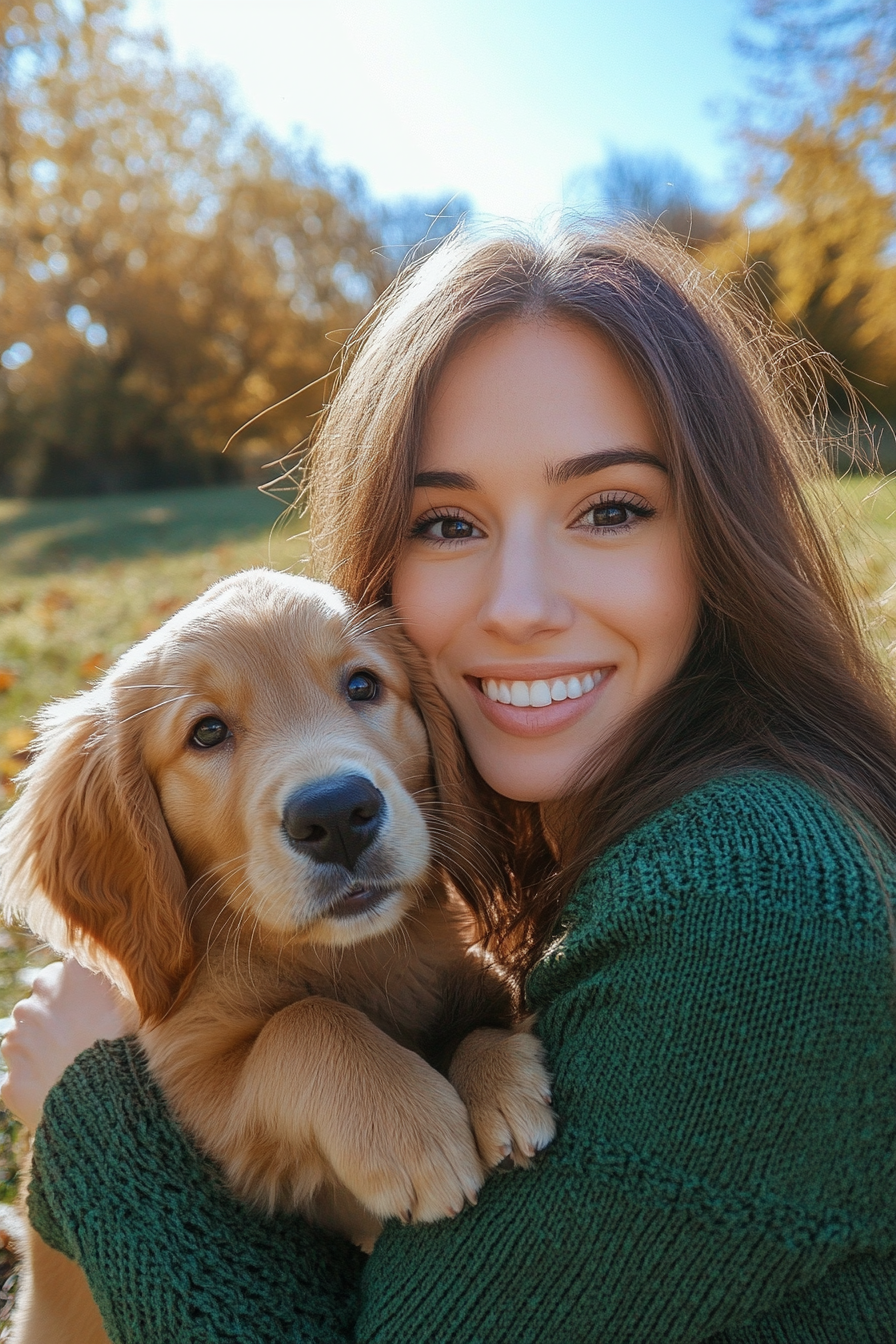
{"x":68,"y":1010}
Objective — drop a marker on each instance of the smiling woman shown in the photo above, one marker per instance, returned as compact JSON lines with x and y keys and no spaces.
{"x":582,"y":478}
{"x":583,"y":456}
{"x":546,"y":577}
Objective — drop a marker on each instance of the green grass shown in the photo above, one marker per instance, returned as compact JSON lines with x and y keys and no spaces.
{"x":864,"y":513}
{"x":51,"y":535}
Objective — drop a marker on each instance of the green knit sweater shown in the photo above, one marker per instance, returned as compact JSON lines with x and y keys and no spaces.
{"x":717,"y":1009}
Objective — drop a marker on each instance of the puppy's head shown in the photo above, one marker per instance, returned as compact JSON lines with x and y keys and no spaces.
{"x":263,"y":758}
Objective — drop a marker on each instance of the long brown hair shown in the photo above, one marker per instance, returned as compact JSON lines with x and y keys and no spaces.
{"x":780,"y":673}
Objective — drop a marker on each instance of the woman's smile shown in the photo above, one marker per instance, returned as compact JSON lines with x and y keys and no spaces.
{"x":545,"y":574}
{"x":535,"y":702}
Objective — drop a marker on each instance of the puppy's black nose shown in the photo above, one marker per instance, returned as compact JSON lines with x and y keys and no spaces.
{"x":333,"y":820}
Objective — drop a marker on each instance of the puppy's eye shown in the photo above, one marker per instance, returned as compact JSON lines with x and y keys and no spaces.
{"x":210,"y":732}
{"x":362,"y":686}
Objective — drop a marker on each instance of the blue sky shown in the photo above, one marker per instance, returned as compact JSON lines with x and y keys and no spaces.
{"x":501,"y":99}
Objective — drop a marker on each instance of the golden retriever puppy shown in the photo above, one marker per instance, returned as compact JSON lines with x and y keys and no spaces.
{"x":255,"y":824}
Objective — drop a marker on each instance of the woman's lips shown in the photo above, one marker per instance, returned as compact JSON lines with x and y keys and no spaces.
{"x":540,"y":721}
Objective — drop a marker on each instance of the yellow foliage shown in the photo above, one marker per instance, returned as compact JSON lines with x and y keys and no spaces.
{"x":171,"y":270}
{"x":818,"y":223}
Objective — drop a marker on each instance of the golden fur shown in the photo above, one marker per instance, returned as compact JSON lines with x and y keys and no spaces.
{"x":288,"y":1036}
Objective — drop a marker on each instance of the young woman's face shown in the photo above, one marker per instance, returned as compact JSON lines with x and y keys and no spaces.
{"x":545,"y":576}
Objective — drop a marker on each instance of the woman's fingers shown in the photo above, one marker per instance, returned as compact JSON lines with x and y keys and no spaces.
{"x":69,"y":1008}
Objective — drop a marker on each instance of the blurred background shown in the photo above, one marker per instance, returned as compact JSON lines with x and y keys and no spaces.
{"x":199,"y":199}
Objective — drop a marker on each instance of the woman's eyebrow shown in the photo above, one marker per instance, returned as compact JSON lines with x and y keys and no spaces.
{"x":445,"y":480}
{"x":558,"y":473}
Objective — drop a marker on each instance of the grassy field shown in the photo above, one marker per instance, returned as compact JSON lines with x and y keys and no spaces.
{"x":864,"y":514}
{"x":82,"y":579}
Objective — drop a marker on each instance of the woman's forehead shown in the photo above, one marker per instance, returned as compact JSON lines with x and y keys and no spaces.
{"x":534,"y":393}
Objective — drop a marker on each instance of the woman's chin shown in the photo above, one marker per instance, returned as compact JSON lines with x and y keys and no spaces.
{"x":537,"y":756}
{"x":525,"y":778}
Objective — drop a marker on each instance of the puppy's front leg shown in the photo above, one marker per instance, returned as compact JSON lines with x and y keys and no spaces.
{"x":502,"y":1078}
{"x":324,"y":1085}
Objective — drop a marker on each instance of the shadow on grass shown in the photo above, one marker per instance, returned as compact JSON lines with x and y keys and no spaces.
{"x":42,"y":535}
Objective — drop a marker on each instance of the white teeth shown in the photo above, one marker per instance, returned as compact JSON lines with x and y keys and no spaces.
{"x":519,"y":694}
{"x":537,"y":694}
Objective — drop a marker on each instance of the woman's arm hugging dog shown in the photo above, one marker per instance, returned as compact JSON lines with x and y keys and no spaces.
{"x":256,"y":824}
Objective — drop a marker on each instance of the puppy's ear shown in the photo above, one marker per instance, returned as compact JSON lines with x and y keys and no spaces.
{"x":87,"y":858}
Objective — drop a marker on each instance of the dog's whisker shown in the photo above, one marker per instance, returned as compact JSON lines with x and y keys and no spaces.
{"x":371,"y":619}
{"x":188,"y":695}
{"x":229,"y":915}
{"x":256,"y":924}
{"x":219,"y":872}
{"x":151,"y":685}
{"x":216,"y":875}
{"x":212,"y":888}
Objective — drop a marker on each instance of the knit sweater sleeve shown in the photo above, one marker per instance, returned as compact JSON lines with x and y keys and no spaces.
{"x":717,"y":1013}
{"x":170,"y":1256}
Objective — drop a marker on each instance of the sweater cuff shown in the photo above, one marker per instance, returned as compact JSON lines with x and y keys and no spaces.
{"x":80,"y":1101}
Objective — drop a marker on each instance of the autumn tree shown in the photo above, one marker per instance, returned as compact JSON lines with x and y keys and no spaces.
{"x":818,"y":230}
{"x":167,"y":271}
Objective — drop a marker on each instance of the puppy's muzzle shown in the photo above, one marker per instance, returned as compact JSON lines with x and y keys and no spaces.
{"x":333,"y":820}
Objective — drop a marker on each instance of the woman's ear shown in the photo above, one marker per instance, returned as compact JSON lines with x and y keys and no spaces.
{"x":87,"y":846}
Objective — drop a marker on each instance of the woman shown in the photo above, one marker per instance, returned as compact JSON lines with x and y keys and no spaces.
{"x":573,"y":470}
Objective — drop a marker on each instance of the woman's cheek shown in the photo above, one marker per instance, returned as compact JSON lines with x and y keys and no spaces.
{"x":644,"y":601}
{"x":430,"y":604}
{"x":668,"y":610}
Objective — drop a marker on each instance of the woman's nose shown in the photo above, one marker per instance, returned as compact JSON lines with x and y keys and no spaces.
{"x":523,"y":600}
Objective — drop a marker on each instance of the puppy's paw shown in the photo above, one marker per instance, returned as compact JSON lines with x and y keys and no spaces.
{"x":502,"y":1078}
{"x":416,"y":1158}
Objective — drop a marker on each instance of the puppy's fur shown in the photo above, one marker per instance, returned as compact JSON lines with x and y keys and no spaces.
{"x":287,"y":1016}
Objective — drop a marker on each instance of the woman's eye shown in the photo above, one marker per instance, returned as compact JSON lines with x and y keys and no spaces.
{"x":608,"y":515}
{"x":613,"y":514}
{"x":447,"y":527}
{"x":362,"y":686}
{"x":210,"y":732}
